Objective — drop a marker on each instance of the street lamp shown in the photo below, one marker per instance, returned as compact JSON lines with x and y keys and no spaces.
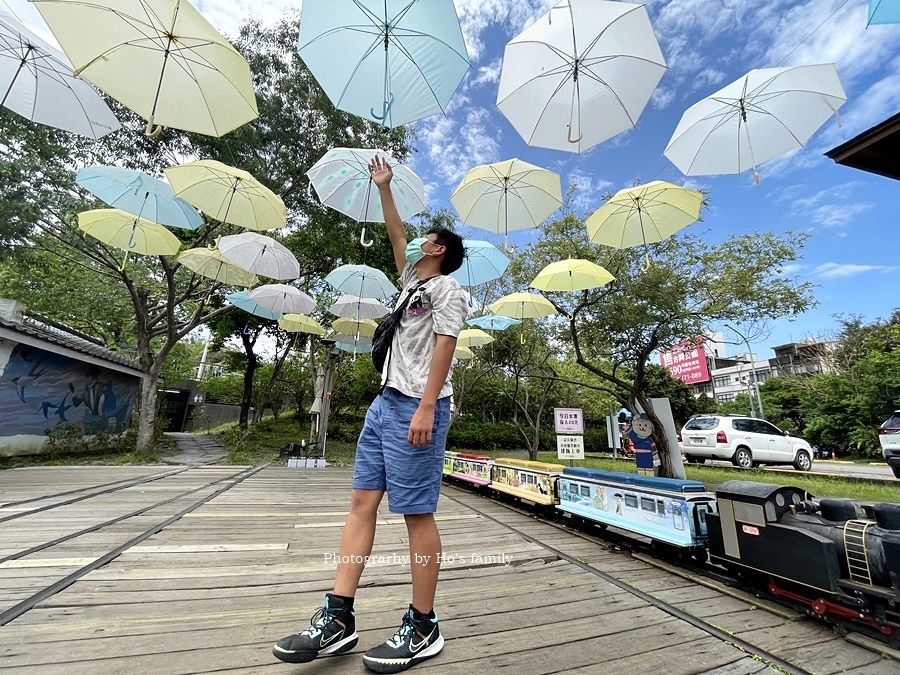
{"x":752,"y":370}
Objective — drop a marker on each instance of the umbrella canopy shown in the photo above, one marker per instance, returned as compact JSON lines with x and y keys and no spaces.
{"x":342,"y":181}
{"x":228,"y":194}
{"x":644,"y":214}
{"x":523,"y":306}
{"x":493,"y":322}
{"x":884,"y":11}
{"x":128,"y":232}
{"x":473,"y":337}
{"x":139,"y":194}
{"x":763,"y":115}
{"x":283,"y":299}
{"x":580,"y":74}
{"x":571,"y":275}
{"x":361,"y":328}
{"x":507,"y":196}
{"x":362,"y":281}
{"x":354,"y":307}
{"x":390,"y":61}
{"x":483,"y":263}
{"x":300,"y":323}
{"x":463,"y":353}
{"x":242,"y":300}
{"x":160,"y":58}
{"x":36,"y":81}
{"x":259,"y":254}
{"x":213,"y":265}
{"x":347,"y":343}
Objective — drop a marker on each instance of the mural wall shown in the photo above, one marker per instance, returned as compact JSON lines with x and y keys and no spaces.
{"x":40,"y":390}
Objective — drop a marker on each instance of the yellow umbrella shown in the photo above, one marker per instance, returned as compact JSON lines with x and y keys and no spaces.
{"x":473,"y":337}
{"x":213,"y":265}
{"x":160,"y":58}
{"x":300,"y":323}
{"x":506,"y":196}
{"x":523,"y":306}
{"x":571,"y":275}
{"x":644,"y":214}
{"x":128,"y":232}
{"x":463,"y":353}
{"x":355,"y":327}
{"x":228,"y":194}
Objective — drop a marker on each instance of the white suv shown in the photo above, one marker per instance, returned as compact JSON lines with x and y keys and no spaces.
{"x":745,"y":441}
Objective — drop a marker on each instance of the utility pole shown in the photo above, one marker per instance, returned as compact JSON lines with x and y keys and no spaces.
{"x":753,"y":382}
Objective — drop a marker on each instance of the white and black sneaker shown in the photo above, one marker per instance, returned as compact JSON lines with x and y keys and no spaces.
{"x":417,"y":639}
{"x":332,"y":631}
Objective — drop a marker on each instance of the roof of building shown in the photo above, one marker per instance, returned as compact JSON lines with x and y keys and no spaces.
{"x":876,"y":150}
{"x":67,"y":337}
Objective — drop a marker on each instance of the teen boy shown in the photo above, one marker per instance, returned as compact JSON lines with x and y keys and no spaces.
{"x":400,"y":451}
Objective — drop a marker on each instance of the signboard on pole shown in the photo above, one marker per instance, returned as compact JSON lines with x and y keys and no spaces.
{"x":568,"y":420}
{"x":570,"y":447}
{"x":686,"y":361}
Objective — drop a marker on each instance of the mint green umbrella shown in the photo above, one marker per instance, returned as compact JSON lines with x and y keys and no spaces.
{"x":390,"y":61}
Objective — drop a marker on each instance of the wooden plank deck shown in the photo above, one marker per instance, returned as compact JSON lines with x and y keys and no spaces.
{"x":212,"y":591}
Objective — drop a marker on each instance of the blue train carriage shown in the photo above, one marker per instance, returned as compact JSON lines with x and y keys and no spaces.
{"x":475,"y":469}
{"x":531,"y":481}
{"x":665,"y":509}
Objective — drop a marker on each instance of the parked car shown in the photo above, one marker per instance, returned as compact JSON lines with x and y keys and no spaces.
{"x":744,"y":441}
{"x":889,"y":437}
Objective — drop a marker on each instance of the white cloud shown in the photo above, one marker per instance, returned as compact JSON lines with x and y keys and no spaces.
{"x":833,"y":207}
{"x":452,"y":148}
{"x":588,"y":195}
{"x":476,"y":16}
{"x":838,"y":271}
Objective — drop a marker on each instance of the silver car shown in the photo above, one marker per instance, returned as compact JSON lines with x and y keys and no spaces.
{"x":889,"y":438}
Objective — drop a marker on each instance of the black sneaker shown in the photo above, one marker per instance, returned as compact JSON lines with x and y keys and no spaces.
{"x":413,"y":642}
{"x":332,"y":631}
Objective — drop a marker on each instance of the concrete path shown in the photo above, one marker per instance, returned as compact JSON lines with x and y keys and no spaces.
{"x":194,"y":449}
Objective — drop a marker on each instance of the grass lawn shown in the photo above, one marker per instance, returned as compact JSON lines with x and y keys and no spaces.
{"x":92,"y":458}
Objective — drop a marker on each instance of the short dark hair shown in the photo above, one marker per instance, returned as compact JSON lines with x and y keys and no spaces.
{"x":455,"y":253}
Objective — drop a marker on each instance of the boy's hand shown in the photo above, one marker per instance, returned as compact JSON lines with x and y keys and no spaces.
{"x":381,"y":172}
{"x":420,"y":427}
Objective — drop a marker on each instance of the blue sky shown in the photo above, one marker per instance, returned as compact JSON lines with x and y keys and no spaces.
{"x":851,"y":215}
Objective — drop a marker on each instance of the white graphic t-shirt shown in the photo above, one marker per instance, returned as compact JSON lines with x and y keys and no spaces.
{"x":439,"y":307}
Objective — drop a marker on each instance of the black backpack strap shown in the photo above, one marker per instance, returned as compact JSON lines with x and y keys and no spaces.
{"x":399,"y":310}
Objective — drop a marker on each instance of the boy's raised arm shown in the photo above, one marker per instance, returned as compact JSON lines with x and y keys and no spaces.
{"x":382,"y":174}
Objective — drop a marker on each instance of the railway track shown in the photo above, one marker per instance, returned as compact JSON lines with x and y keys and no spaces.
{"x":194,"y":498}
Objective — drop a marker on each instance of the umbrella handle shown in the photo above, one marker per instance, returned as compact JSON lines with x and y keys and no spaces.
{"x":214,"y":246}
{"x":362,"y":239}
{"x":646,"y":265}
{"x":386,"y":110}
{"x":121,"y":268}
{"x":150,"y":131}
{"x":573,"y":140}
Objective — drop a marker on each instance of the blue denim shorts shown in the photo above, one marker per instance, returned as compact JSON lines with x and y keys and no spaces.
{"x":387,"y":461}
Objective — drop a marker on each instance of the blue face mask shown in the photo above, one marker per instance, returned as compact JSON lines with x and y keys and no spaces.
{"x":414,"y":252}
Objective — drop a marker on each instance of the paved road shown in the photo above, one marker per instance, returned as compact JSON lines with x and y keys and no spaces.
{"x":849,"y":469}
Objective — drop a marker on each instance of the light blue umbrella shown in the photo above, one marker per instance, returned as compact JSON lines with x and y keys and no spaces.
{"x":362,"y":281}
{"x":390,"y":61}
{"x":242,"y":300}
{"x":347,"y":343}
{"x":884,"y":11}
{"x":483,"y":263}
{"x":493,"y":322}
{"x":140,"y":195}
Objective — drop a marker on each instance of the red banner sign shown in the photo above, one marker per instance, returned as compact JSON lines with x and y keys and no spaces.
{"x":686,"y":362}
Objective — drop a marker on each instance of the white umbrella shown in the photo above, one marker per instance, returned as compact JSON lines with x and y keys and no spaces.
{"x":283,"y":298}
{"x":763,"y":115}
{"x":580,"y":74}
{"x":361,"y":280}
{"x":259,"y":254}
{"x":36,"y":81}
{"x":342,"y":181}
{"x":354,"y":307}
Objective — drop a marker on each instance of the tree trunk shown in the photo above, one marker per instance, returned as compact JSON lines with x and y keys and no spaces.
{"x":659,"y":436}
{"x":147,"y":420}
{"x":247,"y":396}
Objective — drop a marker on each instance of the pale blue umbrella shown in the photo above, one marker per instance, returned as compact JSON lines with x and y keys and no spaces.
{"x":390,"y":61}
{"x":362,"y":281}
{"x":139,"y":194}
{"x":242,"y":300}
{"x":347,"y":343}
{"x":483,"y":263}
{"x":884,"y":11}
{"x":494,"y":322}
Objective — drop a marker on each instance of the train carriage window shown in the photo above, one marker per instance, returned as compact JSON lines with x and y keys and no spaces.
{"x":660,"y":507}
{"x":677,"y":517}
{"x":631,"y":501}
{"x":700,"y":516}
{"x":585,"y":491}
{"x":648,"y":504}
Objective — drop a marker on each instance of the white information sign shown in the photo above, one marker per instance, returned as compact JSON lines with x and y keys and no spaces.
{"x":570,"y":447}
{"x":568,"y":420}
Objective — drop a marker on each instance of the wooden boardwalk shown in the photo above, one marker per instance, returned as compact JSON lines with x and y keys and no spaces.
{"x":213,"y":589}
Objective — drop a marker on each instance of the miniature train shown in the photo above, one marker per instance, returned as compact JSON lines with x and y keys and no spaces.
{"x":836,"y":557}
